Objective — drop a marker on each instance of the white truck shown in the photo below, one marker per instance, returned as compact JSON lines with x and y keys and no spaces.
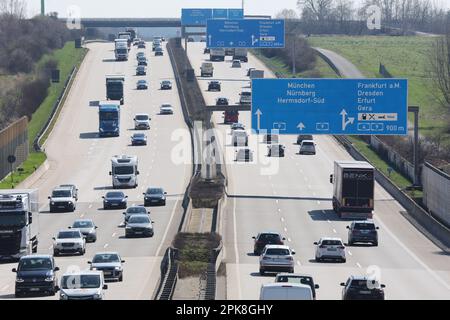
{"x":285,"y":291}
{"x":124,"y":171}
{"x":217,"y":54}
{"x":256,"y":74}
{"x":19,"y":223}
{"x":240,"y":54}
{"x":207,"y":69}
{"x":121,"y":49}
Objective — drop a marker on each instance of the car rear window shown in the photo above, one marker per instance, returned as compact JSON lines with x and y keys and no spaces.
{"x":331,"y":243}
{"x":269,"y":237}
{"x":278,"y":252}
{"x":361,"y":284}
{"x":364,"y":226}
{"x":307,"y":143}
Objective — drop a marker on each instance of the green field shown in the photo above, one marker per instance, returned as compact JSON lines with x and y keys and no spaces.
{"x":404,"y":57}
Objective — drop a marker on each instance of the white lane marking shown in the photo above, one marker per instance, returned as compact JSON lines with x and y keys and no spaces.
{"x":359,"y":266}
{"x":82,"y":215}
{"x":4,"y":288}
{"x":236,"y":251}
{"x":276,"y":201}
{"x":279,"y":210}
{"x":318,"y":202}
{"x":299,"y":263}
{"x":106,"y":246}
{"x":285,"y":229}
{"x":282,"y":219}
{"x":334,"y":230}
{"x":289,"y":239}
{"x":148,"y":173}
{"x":114,"y":234}
{"x":90,"y":206}
{"x":418,"y":260}
{"x":167,"y":227}
{"x":349,"y":253}
{"x":329,"y":221}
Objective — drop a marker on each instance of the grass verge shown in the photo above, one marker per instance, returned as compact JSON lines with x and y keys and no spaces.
{"x":34,"y":161}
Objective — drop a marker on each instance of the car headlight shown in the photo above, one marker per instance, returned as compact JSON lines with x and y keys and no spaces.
{"x":53,"y":203}
{"x":116,"y":129}
{"x":101,"y":130}
{"x":128,"y":227}
{"x":19,"y":280}
{"x":117,"y":268}
{"x":50,"y":279}
{"x":123,"y":200}
{"x":70,"y":202}
{"x":106,"y":201}
{"x":92,"y":231}
{"x":97,"y":296}
{"x":64,"y":296}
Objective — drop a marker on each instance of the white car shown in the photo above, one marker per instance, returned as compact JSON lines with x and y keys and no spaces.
{"x":307,"y":147}
{"x":236,"y":64}
{"x":244,"y":155}
{"x":166,"y":109}
{"x":276,"y":258}
{"x":237,"y":126}
{"x":246,"y":98}
{"x":285,"y":291}
{"x":330,"y":249}
{"x":69,"y":241}
{"x":142,"y":121}
{"x":84,"y":285}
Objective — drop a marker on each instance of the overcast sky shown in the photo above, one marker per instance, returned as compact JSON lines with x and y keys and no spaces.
{"x":164,"y":8}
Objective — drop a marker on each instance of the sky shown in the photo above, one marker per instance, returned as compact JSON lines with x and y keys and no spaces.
{"x":161,"y":9}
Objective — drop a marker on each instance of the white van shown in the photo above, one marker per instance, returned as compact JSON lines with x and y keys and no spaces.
{"x":207,"y":69}
{"x":85,"y":285}
{"x":285,"y":291}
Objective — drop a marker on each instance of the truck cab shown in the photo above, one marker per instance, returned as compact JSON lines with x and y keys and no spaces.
{"x":207,"y":69}
{"x":121,"y":49}
{"x":124,"y":171}
{"x":115,"y":85}
{"x":217,"y":54}
{"x":109,"y":118}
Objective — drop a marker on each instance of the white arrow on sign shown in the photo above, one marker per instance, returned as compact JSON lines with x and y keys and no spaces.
{"x":258,"y":114}
{"x":254,"y":40}
{"x":345,"y":122}
{"x":231,"y":43}
{"x":301,"y":126}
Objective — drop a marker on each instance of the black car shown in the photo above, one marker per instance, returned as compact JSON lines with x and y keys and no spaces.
{"x":155,"y":196}
{"x":115,"y":199}
{"x":362,"y":288}
{"x":141,"y":45}
{"x":166,"y":85}
{"x":142,"y":62}
{"x":276,"y":150}
{"x":139,"y":139}
{"x":302,"y":137}
{"x":206,"y":50}
{"x":141,"y":71}
{"x":221,"y":102}
{"x":36,"y":274}
{"x":142,"y":85}
{"x":265,"y":238}
{"x":159,"y":51}
{"x":214,"y":86}
{"x":270,"y":138}
{"x":362,"y":231}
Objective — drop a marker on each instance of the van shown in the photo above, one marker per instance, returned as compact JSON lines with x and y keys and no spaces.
{"x":285,"y":291}
{"x":85,"y":285}
{"x":207,"y":69}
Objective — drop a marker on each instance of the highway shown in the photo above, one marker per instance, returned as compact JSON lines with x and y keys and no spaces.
{"x":77,"y":155}
{"x":292,"y":195}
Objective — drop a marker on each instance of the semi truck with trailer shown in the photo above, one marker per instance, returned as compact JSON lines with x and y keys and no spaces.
{"x":121,"y":49}
{"x":353,"y":189}
{"x":240,"y":54}
{"x":109,"y":118}
{"x":126,"y":35}
{"x":115,"y":85}
{"x":124,"y":171}
{"x":19,"y":223}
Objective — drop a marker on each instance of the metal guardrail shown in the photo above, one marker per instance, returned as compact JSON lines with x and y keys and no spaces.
{"x":169,"y":275}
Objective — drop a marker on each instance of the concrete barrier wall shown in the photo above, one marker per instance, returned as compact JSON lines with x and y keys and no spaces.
{"x":436,"y":192}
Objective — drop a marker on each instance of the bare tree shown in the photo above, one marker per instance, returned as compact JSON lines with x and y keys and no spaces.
{"x":316,"y":9}
{"x":287,"y":14}
{"x":343,"y":10}
{"x":13,"y":7}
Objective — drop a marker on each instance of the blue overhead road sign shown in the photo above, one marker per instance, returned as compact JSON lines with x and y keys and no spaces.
{"x":330,"y":106}
{"x":235,"y":14}
{"x":242,"y":33}
{"x":220,"y":14}
{"x":199,"y":17}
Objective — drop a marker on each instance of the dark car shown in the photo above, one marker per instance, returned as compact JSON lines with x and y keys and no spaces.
{"x":36,"y":274}
{"x":142,"y":85}
{"x":73,"y":187}
{"x":362,"y":231}
{"x":87,"y":228}
{"x":142,"y":62}
{"x":159,"y":51}
{"x":141,"y":71}
{"x":134,"y":210}
{"x":115,"y":199}
{"x":214,"y":86}
{"x":139,"y":139}
{"x":362,"y":288}
{"x":249,"y":71}
{"x":265,"y":238}
{"x":206,"y":50}
{"x":302,"y":137}
{"x":221,"y":102}
{"x":155,"y":196}
{"x":276,"y":150}
{"x":270,"y":138}
{"x":141,"y":45}
{"x":139,"y":225}
{"x":166,"y":85}
{"x":298,"y":278}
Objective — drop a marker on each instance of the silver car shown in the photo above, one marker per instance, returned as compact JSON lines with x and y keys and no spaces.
{"x":87,"y":227}
{"x":276,"y":258}
{"x":133,"y":210}
{"x":69,"y":242}
{"x":307,"y":147}
{"x":110,"y":263}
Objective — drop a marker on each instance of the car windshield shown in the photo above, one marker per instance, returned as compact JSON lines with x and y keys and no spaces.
{"x":166,"y":106}
{"x":139,"y":219}
{"x":34,"y":264}
{"x":363,"y":284}
{"x":105,"y":258}
{"x":139,"y":135}
{"x":82,"y":224}
{"x":166,"y":82}
{"x":83,"y":281}
{"x":295,"y":279}
{"x":331,"y":243}
{"x":154,"y":191}
{"x":115,"y":195}
{"x":124,"y":170}
{"x":269,"y":237}
{"x":61,"y":194}
{"x":142,"y":117}
{"x":137,"y":210}
{"x":364,"y":226}
{"x":277,"y":252}
{"x":142,"y":82}
{"x":69,"y":235}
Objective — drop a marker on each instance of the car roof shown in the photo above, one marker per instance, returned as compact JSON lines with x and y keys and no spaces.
{"x":83,"y":220}
{"x":109,"y":192}
{"x":269,"y":232}
{"x":67,"y":185}
{"x":107,"y":252}
{"x":284,"y":284}
{"x":277,"y":246}
{"x":62,"y":188}
{"x":368,"y":221}
{"x":140,"y":215}
{"x":311,"y":141}
{"x":136,"y":206}
{"x":165,"y":105}
{"x":68,"y":230}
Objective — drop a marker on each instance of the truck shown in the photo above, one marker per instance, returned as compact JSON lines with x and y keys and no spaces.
{"x":19,"y":223}
{"x":121,"y":49}
{"x":353,"y":189}
{"x":217,"y":54}
{"x":115,"y":85}
{"x":133,"y":33}
{"x":124,"y":171}
{"x":207,"y":69}
{"x":256,"y":74}
{"x":126,"y":35}
{"x":109,"y":118}
{"x":240,"y":54}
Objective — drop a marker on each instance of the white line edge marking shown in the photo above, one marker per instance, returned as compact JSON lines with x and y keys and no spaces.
{"x":299,"y":263}
{"x":359,"y":266}
{"x":167,"y":228}
{"x":334,"y":230}
{"x":106,"y":246}
{"x":349,"y":253}
{"x":114,"y":234}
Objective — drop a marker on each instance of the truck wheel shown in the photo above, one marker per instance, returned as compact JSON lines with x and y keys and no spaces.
{"x":261,"y":271}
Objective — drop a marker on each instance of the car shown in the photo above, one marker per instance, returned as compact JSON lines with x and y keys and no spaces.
{"x":163,"y":39}
{"x":136,"y":41}
{"x":166,"y":85}
{"x":69,"y":242}
{"x":141,"y":71}
{"x":154,"y":196}
{"x":221,"y":101}
{"x":159,"y":51}
{"x":276,"y":258}
{"x":142,"y":85}
{"x":239,"y":138}
{"x":110,"y":264}
{"x":142,"y":61}
{"x":265,"y":238}
{"x":362,"y":288}
{"x":166,"y":108}
{"x":141,"y":45}
{"x":249,"y":71}
{"x":138,"y":139}
{"x":244,"y":155}
{"x":133,"y":210}
{"x":237,"y":126}
{"x":236,"y":64}
{"x":270,"y":138}
{"x":283,"y":291}
{"x":142,"y":121}
{"x":276,"y":150}
{"x":87,"y":228}
{"x":214,"y":86}
{"x":62,"y":198}
{"x":363,"y":231}
{"x":36,"y":274}
{"x":73,"y":187}
{"x":302,"y":137}
{"x":298,"y":278}
{"x":82,"y":285}
{"x":246,"y":98}
{"x":307,"y":147}
{"x":139,"y":225}
{"x":206,"y":51}
{"x":115,"y":199}
{"x":330,"y":249}
{"x":140,"y":55}
{"x":156,"y":43}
